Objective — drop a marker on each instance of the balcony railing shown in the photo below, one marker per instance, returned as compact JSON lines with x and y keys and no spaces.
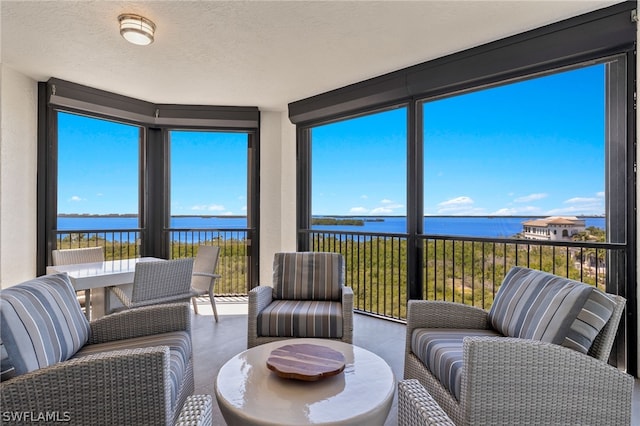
{"x":460,"y":269}
{"x":117,"y":243}
{"x":233,"y":261}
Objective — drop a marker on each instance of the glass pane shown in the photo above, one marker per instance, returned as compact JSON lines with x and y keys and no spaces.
{"x":501,"y":162}
{"x":97,"y":173}
{"x":359,"y":171}
{"x":208,"y":179}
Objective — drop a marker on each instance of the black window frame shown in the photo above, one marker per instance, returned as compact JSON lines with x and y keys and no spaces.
{"x":155,"y":122}
{"x":583,"y":39}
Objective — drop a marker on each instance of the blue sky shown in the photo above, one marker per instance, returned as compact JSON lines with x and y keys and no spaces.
{"x":530,"y":148}
{"x":98,"y":169}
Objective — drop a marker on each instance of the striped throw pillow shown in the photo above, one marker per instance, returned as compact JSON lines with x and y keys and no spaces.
{"x":308,"y":276}
{"x":537,"y":305}
{"x":42,"y":322}
{"x":593,"y":316}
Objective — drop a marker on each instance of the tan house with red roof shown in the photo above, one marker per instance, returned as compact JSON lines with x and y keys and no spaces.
{"x":554,"y":228}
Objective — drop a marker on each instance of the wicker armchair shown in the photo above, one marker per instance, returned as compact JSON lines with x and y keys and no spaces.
{"x":417,"y":408}
{"x":308,"y":299}
{"x":511,"y":380}
{"x":132,"y":367}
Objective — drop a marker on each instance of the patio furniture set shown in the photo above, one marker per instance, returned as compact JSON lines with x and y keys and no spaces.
{"x":539,"y":355}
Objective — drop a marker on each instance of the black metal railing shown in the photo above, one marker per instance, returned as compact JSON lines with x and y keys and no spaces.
{"x":460,"y":269}
{"x":118,"y":243}
{"x":233,"y":261}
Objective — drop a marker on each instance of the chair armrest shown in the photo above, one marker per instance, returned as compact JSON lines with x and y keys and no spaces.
{"x":137,"y":322}
{"x":259,"y":298}
{"x":511,"y":381}
{"x":417,"y":408}
{"x":119,"y":387}
{"x":347,"y":314}
{"x":206,"y":274}
{"x":441,"y":314}
{"x":196,"y":411}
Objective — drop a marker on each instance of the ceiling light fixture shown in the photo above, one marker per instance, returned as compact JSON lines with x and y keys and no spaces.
{"x":136,"y":29}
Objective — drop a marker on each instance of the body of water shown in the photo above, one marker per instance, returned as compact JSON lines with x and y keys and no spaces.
{"x":471,"y":226}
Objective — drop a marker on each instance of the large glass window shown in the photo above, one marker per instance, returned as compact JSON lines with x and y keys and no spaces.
{"x":523,"y":160}
{"x":98,"y":184}
{"x":209,"y":178}
{"x":359,"y":171}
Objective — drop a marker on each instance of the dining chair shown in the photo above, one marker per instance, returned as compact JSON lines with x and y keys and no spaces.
{"x":79,"y":255}
{"x":203,"y":278}
{"x":158,"y":282}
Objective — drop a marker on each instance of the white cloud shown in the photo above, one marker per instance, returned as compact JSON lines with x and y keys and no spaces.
{"x":582,"y":200}
{"x":364,"y":196}
{"x":458,"y":201}
{"x":75,"y":198}
{"x":358,"y":210}
{"x":577,"y":206}
{"x":385,"y":201}
{"x":600,"y":194}
{"x":210,"y":207}
{"x":379,"y":211}
{"x":531,"y":197}
{"x":459,"y":206}
{"x":244,"y":208}
{"x":513,"y":211}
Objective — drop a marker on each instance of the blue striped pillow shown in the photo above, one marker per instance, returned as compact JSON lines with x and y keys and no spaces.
{"x":42,"y":322}
{"x":308,"y":276}
{"x":537,"y":305}
{"x":592,"y":318}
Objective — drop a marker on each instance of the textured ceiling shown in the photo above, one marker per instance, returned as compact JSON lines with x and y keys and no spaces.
{"x":253,"y":53}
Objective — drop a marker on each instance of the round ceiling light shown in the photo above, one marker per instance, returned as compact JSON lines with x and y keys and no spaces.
{"x":136,"y":29}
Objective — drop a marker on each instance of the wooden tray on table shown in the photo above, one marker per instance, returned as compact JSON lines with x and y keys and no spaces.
{"x":305,"y":362}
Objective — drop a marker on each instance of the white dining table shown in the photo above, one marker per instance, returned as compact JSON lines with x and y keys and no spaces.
{"x":96,"y":277}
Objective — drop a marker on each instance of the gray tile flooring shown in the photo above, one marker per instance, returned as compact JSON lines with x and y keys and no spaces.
{"x":215,"y":343}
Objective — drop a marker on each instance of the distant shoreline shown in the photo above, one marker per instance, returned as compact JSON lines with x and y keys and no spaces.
{"x":363,"y":217}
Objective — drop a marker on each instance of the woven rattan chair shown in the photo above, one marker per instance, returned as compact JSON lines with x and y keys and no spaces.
{"x":159,"y":282}
{"x":204,"y":277}
{"x":510,"y":380}
{"x":79,"y":255}
{"x":308,"y":299}
{"x":130,"y":368}
{"x":417,"y":408}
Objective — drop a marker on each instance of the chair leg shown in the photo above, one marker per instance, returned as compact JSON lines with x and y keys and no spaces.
{"x":195,"y":305}
{"x":213,"y":305}
{"x":213,"y":299}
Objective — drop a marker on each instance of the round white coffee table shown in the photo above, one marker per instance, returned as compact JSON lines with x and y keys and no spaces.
{"x":248,"y":393}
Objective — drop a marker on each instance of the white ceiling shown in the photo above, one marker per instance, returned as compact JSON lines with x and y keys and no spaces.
{"x":254,"y":53}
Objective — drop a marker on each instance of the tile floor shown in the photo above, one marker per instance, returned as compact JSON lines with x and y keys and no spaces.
{"x":215,"y":343}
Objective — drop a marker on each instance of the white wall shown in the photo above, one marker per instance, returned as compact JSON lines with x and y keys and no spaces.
{"x":277,"y":189}
{"x":18,"y":172}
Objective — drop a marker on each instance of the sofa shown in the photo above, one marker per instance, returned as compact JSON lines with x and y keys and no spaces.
{"x":538,"y":356}
{"x":132,"y":367}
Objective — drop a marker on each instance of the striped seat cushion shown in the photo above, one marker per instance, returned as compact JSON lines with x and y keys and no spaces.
{"x":42,"y":322}
{"x":440,"y":350}
{"x":537,"y":305}
{"x":179,"y":343}
{"x":308,"y":276}
{"x":301,"y":318}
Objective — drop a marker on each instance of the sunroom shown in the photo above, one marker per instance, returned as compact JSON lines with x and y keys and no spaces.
{"x":294,"y":104}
